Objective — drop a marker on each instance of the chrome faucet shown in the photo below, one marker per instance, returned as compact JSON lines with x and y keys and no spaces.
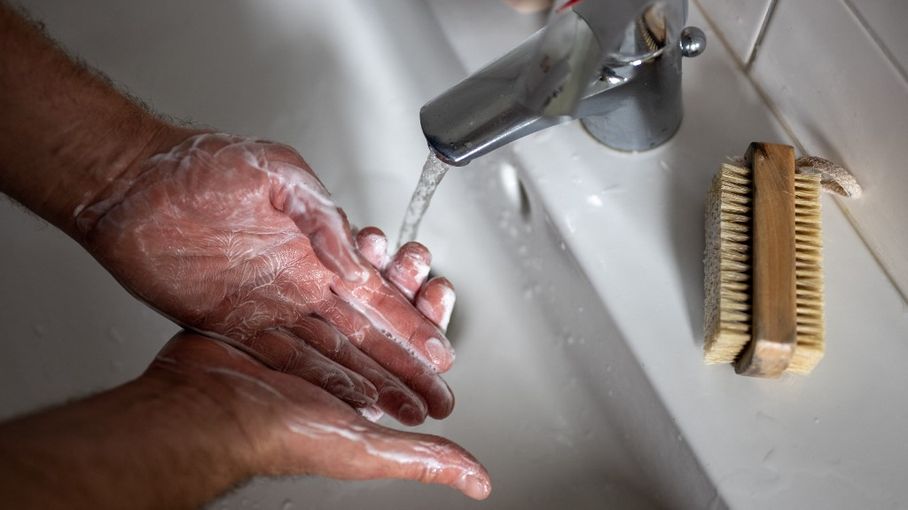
{"x":614,"y":64}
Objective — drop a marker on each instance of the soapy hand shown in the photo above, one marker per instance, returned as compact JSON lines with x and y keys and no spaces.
{"x":238,"y":239}
{"x":293,"y":427}
{"x":527,"y":6}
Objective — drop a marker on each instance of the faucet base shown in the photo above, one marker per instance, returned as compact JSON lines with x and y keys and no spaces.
{"x":618,"y":143}
{"x":645,"y":113}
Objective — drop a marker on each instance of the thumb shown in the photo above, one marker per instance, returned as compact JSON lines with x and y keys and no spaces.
{"x":303,"y":198}
{"x":428,"y":459}
{"x":372,"y":452}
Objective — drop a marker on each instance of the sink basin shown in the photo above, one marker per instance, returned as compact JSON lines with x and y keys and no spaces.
{"x":578,"y":326}
{"x":550,"y":397}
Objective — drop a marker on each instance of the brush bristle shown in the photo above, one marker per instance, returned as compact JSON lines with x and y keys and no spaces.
{"x":809,"y":275}
{"x":728,"y":268}
{"x":728,"y":217}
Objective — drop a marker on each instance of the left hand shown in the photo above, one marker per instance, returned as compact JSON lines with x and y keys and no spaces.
{"x":201,"y":419}
{"x":292,"y":427}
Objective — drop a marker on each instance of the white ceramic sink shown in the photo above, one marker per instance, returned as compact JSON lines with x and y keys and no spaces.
{"x":578,"y":378}
{"x":549,"y":397}
{"x":634,"y":225}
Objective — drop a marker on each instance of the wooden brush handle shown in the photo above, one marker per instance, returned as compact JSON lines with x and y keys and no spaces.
{"x":773,"y":331}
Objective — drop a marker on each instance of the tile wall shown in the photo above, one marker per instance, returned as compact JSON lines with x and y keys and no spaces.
{"x":834,"y":71}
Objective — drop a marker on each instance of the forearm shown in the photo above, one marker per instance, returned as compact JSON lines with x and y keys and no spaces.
{"x":65,"y":132}
{"x":141,"y":443}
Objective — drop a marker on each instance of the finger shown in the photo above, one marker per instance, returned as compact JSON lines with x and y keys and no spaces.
{"x":424,"y":458}
{"x":373,"y":245}
{"x":396,"y":317}
{"x":286,"y":353}
{"x":393,"y":356}
{"x":299,"y":194}
{"x":409,"y":268}
{"x":371,"y":413}
{"x":436,"y":301}
{"x":394,"y":396}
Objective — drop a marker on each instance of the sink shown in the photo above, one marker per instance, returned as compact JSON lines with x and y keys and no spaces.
{"x":578,"y":326}
{"x":579,"y":376}
{"x":550,"y":397}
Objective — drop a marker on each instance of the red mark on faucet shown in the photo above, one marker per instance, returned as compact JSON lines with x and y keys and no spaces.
{"x":567,"y":5}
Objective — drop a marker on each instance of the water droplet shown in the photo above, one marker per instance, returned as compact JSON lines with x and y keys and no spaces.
{"x":114,"y":335}
{"x":563,"y":246}
{"x":528,"y":294}
{"x":611,"y":393}
{"x":816,"y":421}
{"x":608,"y":368}
{"x":544,"y":135}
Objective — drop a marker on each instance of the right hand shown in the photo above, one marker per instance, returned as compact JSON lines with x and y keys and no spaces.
{"x":238,"y":239}
{"x":287,"y":426}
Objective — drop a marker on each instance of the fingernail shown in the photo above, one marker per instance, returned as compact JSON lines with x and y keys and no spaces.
{"x":410,"y":415}
{"x":342,"y":387}
{"x":370,"y":391}
{"x":474,"y":486}
{"x":448,"y":298}
{"x":371,"y":413}
{"x":440,"y":355}
{"x":421,"y":266}
{"x":376,"y":245}
{"x":356,"y":274}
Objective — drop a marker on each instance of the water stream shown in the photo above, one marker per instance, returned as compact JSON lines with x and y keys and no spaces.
{"x":433,"y":171}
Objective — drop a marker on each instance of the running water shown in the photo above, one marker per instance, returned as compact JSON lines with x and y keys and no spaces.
{"x":432,"y":173}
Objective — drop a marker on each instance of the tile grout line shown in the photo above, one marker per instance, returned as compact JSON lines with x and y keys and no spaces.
{"x":879,"y":262}
{"x":876,"y":39}
{"x":795,"y":140}
{"x":760,"y":34}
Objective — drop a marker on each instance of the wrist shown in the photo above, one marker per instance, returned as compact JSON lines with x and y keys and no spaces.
{"x":65,"y":132}
{"x":210,"y":427}
{"x":108,"y":164}
{"x":155,"y":441}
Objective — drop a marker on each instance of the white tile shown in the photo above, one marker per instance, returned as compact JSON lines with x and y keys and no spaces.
{"x":886,"y":20}
{"x":846,"y":101}
{"x":739,"y":21}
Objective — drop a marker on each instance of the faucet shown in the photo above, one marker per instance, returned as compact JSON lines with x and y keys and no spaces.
{"x":614,"y":64}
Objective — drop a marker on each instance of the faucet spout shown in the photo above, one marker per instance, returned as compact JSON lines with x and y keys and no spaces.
{"x":613,"y":63}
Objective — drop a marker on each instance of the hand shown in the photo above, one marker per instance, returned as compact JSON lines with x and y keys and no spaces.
{"x":293,"y":427}
{"x":203,"y":418}
{"x":238,"y":239}
{"x":528,"y":6}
